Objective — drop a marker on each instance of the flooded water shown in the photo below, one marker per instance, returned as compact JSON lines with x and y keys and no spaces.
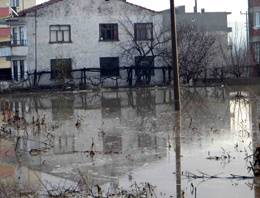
{"x":115,"y":139}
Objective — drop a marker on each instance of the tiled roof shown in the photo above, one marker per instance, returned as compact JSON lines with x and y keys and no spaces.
{"x":38,"y":7}
{"x":50,"y":2}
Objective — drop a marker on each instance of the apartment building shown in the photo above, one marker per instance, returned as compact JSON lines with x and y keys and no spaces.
{"x":10,"y":8}
{"x":254,"y":35}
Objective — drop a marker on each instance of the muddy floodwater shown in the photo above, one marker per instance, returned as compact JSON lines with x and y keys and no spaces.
{"x":124,"y":139}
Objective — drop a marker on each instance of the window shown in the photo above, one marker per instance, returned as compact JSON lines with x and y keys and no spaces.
{"x":22,"y":70}
{"x":257,"y":51}
{"x":61,"y":68}
{"x":108,"y":32}
{"x":21,"y":32}
{"x":18,"y":70}
{"x":257,"y":20}
{"x":60,"y":34}
{"x":18,"y":36}
{"x":15,"y":70}
{"x":143,"y":31}
{"x":144,"y":64}
{"x":15,"y":35}
{"x":109,"y":66}
{"x":15,"y":3}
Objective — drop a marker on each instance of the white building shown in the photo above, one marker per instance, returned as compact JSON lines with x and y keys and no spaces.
{"x":105,"y":34}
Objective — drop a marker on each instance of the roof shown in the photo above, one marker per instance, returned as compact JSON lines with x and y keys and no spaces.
{"x":50,"y":2}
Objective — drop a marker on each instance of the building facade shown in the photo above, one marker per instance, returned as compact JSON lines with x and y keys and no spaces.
{"x":66,"y":38}
{"x":254,"y":35}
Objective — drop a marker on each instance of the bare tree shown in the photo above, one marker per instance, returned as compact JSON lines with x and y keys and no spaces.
{"x":143,"y":42}
{"x":236,"y":54}
{"x":196,"y":50}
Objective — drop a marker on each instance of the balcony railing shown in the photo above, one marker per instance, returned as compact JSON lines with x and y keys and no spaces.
{"x":13,"y":43}
{"x":5,"y":44}
{"x":18,"y":42}
{"x":5,"y":51}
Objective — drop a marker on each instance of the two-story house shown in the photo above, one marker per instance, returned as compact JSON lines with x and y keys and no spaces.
{"x":64,"y":36}
{"x":7,"y":9}
{"x":254,"y":35}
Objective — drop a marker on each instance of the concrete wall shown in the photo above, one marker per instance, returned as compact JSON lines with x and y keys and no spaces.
{"x":209,"y":21}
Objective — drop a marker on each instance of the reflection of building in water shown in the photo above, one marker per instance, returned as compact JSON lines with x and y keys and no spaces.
{"x":117,"y":114}
{"x":112,"y":143}
{"x":62,"y":108}
{"x":146,"y":141}
{"x":240,"y":110}
{"x":14,"y":107}
{"x":7,"y":154}
{"x":145,"y":102}
{"x":110,"y":107}
{"x":64,"y":144}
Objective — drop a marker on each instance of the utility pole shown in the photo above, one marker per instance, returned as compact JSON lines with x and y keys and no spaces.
{"x":175,"y":57}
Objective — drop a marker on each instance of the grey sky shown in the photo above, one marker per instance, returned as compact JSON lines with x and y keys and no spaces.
{"x":234,"y":6}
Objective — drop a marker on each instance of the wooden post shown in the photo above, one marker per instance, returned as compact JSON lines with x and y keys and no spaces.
{"x":175,"y":57}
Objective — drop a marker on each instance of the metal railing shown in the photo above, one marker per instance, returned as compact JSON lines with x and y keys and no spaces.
{"x":18,"y":42}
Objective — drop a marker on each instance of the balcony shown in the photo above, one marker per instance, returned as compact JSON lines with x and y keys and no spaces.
{"x":5,"y":49}
{"x":19,"y":50}
{"x":14,"y":48}
{"x":18,"y":42}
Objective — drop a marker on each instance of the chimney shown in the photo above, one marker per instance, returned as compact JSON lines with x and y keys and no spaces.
{"x":202,"y":10}
{"x":196,"y":7}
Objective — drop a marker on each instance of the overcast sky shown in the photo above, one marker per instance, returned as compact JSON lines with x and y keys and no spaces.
{"x":234,"y":6}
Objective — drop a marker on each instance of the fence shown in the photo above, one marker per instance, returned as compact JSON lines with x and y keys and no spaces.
{"x":133,"y":76}
{"x":127,"y":77}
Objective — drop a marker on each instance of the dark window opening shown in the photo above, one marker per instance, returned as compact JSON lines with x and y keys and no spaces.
{"x":108,"y":32}
{"x":109,"y":66}
{"x":143,"y":31}
{"x":61,"y":67}
{"x":6,"y":74}
{"x":22,"y":69}
{"x":15,"y":36}
{"x":144,"y":64}
{"x":15,"y":70}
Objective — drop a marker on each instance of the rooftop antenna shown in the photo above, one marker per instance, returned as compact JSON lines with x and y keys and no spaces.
{"x":196,"y":7}
{"x":8,"y":4}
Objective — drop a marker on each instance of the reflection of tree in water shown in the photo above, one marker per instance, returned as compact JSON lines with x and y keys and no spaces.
{"x":240,"y":114}
{"x":204,"y":111}
{"x":199,"y":98}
